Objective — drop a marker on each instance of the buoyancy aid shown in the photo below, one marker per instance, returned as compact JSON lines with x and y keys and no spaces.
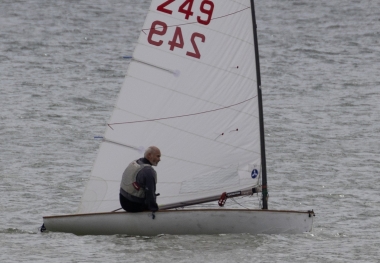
{"x":128,"y":181}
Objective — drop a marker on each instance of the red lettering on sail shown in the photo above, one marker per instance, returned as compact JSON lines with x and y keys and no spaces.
{"x":196,"y":53}
{"x":186,"y":8}
{"x":206,"y":8}
{"x":162,"y":8}
{"x":177,"y":36}
{"x":160,"y":30}
{"x":208,"y":11}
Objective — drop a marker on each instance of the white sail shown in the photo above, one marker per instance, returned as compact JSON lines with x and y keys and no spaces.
{"x":190,"y":90}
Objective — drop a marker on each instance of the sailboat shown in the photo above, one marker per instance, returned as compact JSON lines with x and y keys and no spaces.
{"x":193,"y":89}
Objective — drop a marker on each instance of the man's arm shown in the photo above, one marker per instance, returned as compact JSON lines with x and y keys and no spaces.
{"x":147,"y":178}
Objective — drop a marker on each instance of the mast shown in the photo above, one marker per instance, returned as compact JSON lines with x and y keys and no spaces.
{"x":261,"y":113}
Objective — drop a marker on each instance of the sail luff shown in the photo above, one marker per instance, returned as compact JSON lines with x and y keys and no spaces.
{"x":261,"y":113}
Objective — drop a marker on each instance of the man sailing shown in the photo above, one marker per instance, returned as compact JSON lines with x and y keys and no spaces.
{"x":138,"y":184}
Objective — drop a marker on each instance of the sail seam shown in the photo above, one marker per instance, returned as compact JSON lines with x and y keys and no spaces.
{"x":195,"y":134}
{"x":131,"y":147}
{"x":135,"y":148}
{"x":188,"y":95}
{"x":97,"y":178}
{"x":199,"y":62}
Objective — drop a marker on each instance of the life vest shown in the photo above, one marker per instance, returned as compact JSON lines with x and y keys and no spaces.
{"x":128,"y":181}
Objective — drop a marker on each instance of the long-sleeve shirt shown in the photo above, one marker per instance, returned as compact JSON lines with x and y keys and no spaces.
{"x":145,"y":178}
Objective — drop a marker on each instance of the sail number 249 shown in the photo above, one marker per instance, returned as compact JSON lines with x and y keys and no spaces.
{"x":160,"y":28}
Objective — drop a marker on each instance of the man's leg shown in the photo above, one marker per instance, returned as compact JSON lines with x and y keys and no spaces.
{"x":131,"y":206}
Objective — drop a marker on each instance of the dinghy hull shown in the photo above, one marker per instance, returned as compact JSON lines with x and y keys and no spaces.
{"x":184,"y":222}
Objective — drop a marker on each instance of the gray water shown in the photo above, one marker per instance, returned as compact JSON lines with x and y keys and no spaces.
{"x":61,"y":69}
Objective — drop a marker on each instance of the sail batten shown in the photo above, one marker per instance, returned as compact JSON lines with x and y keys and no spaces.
{"x":190,"y":90}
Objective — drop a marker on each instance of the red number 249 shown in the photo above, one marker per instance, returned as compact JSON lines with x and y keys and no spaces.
{"x":160,"y":28}
{"x":207,"y":7}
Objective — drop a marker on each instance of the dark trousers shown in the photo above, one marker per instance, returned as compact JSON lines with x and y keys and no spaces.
{"x":130,"y":206}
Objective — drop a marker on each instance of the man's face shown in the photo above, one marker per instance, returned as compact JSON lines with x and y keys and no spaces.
{"x":154,"y":157}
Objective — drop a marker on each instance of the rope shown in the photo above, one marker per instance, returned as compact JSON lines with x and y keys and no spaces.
{"x":180,"y":116}
{"x":233,"y":199}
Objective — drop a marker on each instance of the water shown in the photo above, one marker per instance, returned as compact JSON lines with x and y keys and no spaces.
{"x":61,"y":69}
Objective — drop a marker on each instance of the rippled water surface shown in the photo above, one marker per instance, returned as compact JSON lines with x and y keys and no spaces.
{"x":61,"y":69}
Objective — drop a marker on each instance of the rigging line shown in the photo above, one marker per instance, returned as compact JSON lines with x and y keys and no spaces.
{"x":180,"y":116}
{"x":197,"y":21}
{"x":182,"y":93}
{"x":233,"y":199}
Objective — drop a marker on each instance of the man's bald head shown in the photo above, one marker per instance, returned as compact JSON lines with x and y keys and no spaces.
{"x":153,"y":154}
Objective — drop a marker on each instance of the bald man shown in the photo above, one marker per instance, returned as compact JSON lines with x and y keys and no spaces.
{"x":138,"y":184}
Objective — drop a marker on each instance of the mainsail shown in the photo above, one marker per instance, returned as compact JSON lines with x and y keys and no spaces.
{"x":191,"y":90}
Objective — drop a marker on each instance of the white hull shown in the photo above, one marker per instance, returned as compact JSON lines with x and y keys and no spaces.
{"x":184,"y":222}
